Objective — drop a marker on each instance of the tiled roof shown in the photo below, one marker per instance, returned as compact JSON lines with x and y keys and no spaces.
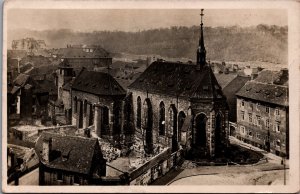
{"x":264,"y":92}
{"x":273,"y":77}
{"x":178,"y":79}
{"x":97,"y":83}
{"x":21,"y":79}
{"x":73,"y":153}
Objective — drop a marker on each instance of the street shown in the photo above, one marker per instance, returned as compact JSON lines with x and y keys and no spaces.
{"x":265,"y":172}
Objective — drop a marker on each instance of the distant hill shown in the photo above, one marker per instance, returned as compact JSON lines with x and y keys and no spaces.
{"x":259,"y":43}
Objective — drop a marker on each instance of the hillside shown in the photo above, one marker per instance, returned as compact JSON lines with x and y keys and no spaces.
{"x":260,"y":43}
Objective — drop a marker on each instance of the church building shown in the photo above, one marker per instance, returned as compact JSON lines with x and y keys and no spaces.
{"x":181,"y":105}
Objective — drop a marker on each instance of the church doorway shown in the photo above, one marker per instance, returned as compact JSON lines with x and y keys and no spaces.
{"x":148,"y":127}
{"x":200,"y":136}
{"x":173,"y":127}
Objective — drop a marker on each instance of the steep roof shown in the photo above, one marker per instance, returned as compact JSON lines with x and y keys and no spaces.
{"x":73,"y":153}
{"x":224,"y":79}
{"x":270,"y":93}
{"x":230,"y":90}
{"x":21,"y":79}
{"x":178,"y":79}
{"x":98,"y":83}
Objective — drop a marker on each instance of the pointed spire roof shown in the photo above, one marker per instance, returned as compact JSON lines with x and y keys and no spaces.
{"x":201,"y":39}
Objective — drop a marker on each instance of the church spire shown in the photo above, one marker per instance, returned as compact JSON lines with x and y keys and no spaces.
{"x":201,"y":52}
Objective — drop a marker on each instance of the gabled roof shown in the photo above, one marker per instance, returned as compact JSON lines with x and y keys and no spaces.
{"x":178,"y":79}
{"x":270,"y":93}
{"x":98,"y":83}
{"x":73,"y":153}
{"x":224,"y":79}
{"x":21,"y":79}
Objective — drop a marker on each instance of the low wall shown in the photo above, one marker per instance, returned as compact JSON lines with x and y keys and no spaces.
{"x":155,"y":168}
{"x":55,"y":128}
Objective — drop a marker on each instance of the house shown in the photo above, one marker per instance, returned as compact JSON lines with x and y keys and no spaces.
{"x":69,"y":160}
{"x":29,"y":97}
{"x":263,"y":114}
{"x":181,"y":105}
{"x":89,"y":56}
{"x":97,"y":99}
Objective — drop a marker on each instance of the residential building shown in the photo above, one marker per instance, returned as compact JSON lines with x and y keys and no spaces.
{"x":88,"y":56}
{"x":69,"y":160}
{"x":263,"y":116}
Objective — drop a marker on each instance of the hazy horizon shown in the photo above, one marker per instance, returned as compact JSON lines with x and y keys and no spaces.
{"x":137,"y":20}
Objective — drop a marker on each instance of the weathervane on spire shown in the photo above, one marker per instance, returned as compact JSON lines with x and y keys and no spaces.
{"x":201,"y":16}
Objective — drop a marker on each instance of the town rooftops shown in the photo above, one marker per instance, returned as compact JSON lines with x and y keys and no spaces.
{"x":179,"y":79}
{"x":82,"y":52}
{"x":70,"y":153}
{"x":98,"y":83}
{"x":270,"y":93}
{"x":273,"y":77}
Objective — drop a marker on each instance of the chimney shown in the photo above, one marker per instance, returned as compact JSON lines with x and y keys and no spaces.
{"x":253,"y":76}
{"x":87,"y":132}
{"x":47,"y":148}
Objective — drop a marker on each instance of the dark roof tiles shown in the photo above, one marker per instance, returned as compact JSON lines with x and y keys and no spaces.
{"x":98,"y":83}
{"x":178,"y":79}
{"x":75,"y":153}
{"x":270,"y":93}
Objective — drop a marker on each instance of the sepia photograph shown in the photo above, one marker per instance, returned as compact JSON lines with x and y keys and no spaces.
{"x":178,"y":97}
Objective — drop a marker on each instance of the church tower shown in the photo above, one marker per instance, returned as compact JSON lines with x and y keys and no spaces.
{"x":201,"y":52}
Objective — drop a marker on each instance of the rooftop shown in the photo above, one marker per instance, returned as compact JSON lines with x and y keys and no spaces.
{"x":79,"y":52}
{"x":74,"y":153}
{"x":178,"y":79}
{"x":270,"y":93}
{"x":98,"y":83}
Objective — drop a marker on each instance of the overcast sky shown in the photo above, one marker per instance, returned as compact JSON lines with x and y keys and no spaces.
{"x":134,"y":20}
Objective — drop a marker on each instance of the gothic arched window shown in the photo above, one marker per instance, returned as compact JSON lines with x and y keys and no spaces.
{"x":139,"y":113}
{"x":162,"y":119}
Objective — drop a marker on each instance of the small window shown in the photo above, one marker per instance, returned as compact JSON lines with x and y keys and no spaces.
{"x":242,"y":103}
{"x":250,"y":117}
{"x":251,"y":106}
{"x":268,"y":123}
{"x":277,"y":111}
{"x":242,"y":128}
{"x":243,"y":115}
{"x":250,"y":132}
{"x":267,"y":109}
{"x":277,"y":127}
{"x":258,"y":136}
{"x":258,"y":119}
{"x":278,"y":143}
